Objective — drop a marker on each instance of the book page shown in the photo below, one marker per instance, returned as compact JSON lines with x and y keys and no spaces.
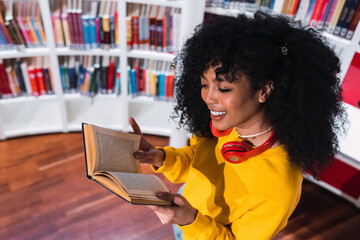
{"x":115,"y":149}
{"x":140,"y":184}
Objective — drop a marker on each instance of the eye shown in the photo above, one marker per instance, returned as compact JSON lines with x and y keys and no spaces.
{"x":223,"y":90}
{"x":204,"y":86}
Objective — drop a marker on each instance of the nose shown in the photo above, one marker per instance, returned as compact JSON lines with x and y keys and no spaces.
{"x":209,"y":96}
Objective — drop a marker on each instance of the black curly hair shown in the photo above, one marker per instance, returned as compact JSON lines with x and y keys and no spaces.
{"x":305,"y":107}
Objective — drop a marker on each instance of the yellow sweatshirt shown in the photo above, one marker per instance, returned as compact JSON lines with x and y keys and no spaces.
{"x":249,"y":200}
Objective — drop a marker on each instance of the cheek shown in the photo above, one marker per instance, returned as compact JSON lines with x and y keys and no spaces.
{"x":203,"y":94}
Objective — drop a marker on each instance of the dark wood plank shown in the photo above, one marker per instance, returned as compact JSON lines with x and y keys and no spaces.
{"x":46,"y":195}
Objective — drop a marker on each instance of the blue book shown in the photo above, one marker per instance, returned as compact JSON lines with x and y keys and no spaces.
{"x":117,"y":86}
{"x":133,"y":81}
{"x":62,"y":77}
{"x":86,"y":31}
{"x":161,"y":86}
{"x":36,"y":29}
{"x":92,"y":31}
{"x":309,"y":12}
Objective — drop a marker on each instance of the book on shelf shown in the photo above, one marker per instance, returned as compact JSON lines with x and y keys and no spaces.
{"x":337,"y":17}
{"x":89,"y":75}
{"x":348,"y":18}
{"x":110,"y":162}
{"x":84,"y":25}
{"x":152,"y":27}
{"x":151,"y":78}
{"x":347,"y":12}
{"x":353,"y":23}
{"x":24,"y":77}
{"x":20,"y":25}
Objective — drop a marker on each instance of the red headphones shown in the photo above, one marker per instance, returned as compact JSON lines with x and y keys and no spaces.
{"x":240,"y":151}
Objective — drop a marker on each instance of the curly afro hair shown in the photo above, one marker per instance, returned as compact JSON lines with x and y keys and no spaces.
{"x":305,"y":107}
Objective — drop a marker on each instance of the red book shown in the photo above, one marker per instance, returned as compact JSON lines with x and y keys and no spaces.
{"x":134,"y":13}
{"x":40,"y":81}
{"x":4,"y":81}
{"x":135,"y":32}
{"x":295,"y":6}
{"x":111,"y":76}
{"x":169,"y":86}
{"x":33,"y":82}
{"x":316,"y":13}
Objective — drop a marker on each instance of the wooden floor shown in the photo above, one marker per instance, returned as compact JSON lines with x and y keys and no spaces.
{"x":44,"y":194}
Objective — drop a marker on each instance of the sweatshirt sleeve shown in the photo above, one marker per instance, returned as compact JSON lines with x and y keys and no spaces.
{"x":261,"y":222}
{"x":177,"y":162}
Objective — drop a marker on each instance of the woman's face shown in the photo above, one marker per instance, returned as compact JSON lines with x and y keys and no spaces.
{"x":231,"y":104}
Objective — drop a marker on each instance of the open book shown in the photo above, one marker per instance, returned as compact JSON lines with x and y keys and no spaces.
{"x":110,"y":162}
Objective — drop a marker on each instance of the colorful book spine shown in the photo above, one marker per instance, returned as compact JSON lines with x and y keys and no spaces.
{"x":354,"y":22}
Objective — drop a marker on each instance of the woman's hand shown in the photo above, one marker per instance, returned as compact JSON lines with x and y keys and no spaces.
{"x":148,"y":153}
{"x":181,"y":212}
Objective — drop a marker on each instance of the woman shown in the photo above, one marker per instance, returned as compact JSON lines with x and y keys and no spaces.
{"x":261,"y":96}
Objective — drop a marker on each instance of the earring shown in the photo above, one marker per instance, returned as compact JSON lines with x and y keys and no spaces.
{"x":272,"y":86}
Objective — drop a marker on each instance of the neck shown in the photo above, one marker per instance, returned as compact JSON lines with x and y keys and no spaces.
{"x":262,"y":130}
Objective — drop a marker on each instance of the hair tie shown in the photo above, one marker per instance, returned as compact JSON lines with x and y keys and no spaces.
{"x":284,"y":50}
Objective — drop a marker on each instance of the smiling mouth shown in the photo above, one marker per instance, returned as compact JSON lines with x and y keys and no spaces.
{"x":215,"y":113}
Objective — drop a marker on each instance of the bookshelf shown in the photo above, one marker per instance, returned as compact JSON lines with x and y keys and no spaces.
{"x":64,"y":112}
{"x":346,"y":169}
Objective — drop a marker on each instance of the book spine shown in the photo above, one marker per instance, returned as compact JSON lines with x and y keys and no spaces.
{"x":116,"y":22}
{"x":111,"y":77}
{"x":112,"y":32}
{"x":152,"y":29}
{"x":128,"y":33}
{"x":80,"y":32}
{"x":133,"y":81}
{"x":316,"y":13}
{"x":117,"y":87}
{"x":66,"y":29}
{"x":4,"y":82}
{"x":353,"y":23}
{"x":47,"y":78}
{"x":20,"y":77}
{"x":86,"y":31}
{"x":40,"y":83}
{"x":24,"y":70}
{"x":32,"y":79}
{"x":344,"y":12}
{"x":335,"y":16}
{"x":135,"y":32}
{"x":349,"y":17}
{"x":93,"y":32}
{"x":159,"y":35}
{"x":106,"y":30}
{"x":323,"y":15}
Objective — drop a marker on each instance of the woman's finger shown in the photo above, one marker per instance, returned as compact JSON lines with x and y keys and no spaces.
{"x":134,"y":126}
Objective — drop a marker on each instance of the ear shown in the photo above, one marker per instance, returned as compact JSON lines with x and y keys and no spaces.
{"x":266,"y":91}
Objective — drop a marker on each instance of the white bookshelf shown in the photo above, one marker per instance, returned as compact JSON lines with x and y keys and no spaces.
{"x":65,"y":112}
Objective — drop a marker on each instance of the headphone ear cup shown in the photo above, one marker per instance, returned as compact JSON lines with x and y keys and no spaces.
{"x":231,"y":151}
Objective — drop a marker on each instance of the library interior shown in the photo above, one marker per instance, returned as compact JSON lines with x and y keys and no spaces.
{"x":68,"y":62}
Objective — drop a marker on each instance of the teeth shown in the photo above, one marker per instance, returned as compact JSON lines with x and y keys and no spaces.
{"x":217,"y":113}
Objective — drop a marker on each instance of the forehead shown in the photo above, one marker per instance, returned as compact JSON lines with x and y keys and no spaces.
{"x":210,"y":74}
